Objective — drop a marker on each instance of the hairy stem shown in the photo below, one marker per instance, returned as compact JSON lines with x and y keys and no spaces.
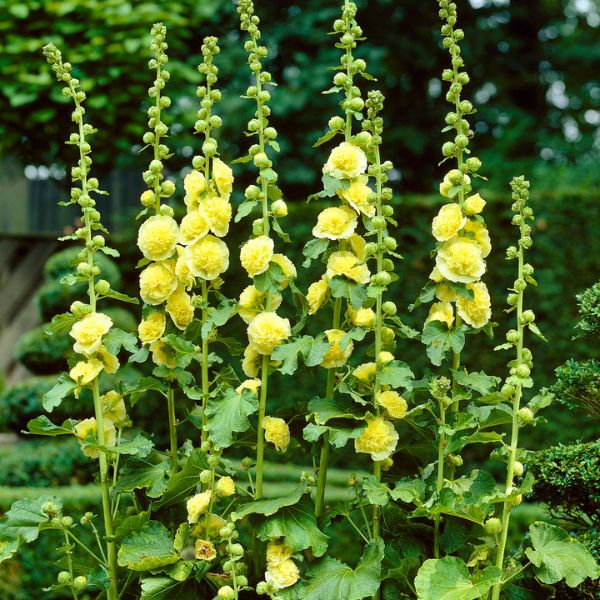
{"x":172,"y":429}
{"x":260,"y":440}
{"x":205,"y":381}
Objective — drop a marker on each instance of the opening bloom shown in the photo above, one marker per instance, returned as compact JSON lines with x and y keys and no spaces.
{"x":205,"y":550}
{"x":161,"y":354}
{"x":346,"y":161}
{"x":481,"y":236}
{"x":218,"y":212}
{"x":365,"y":373}
{"x":223,"y":176}
{"x":84,"y":372}
{"x":109,"y":361}
{"x":277,"y":552}
{"x":347,"y":264}
{"x":152,"y":327}
{"x":157,"y":282}
{"x":363,"y":317}
{"x":283,"y":575}
{"x":250,"y":384}
{"x":193,"y":227}
{"x":88,"y":332}
{"x":335,"y":223}
{"x":277,"y":432}
{"x":157,"y":237}
{"x":476,"y":312}
{"x":113,"y":407}
{"x":194,"y":184}
{"x":379,"y":439}
{"x":394,"y":404}
{"x":316,"y":295}
{"x":357,"y":196}
{"x":445,"y":293}
{"x":252,"y":361}
{"x":198,"y":505}
{"x":207,"y":258}
{"x":441,"y":311}
{"x":225,"y":486}
{"x":460,"y":259}
{"x":89,"y":427}
{"x":256,"y":255}
{"x":336,"y":356}
{"x":180,"y":308}
{"x":267,"y":331}
{"x":448,"y":222}
{"x":288,"y":268}
{"x":253,"y":302}
{"x":182,"y":271}
{"x":473,"y":205}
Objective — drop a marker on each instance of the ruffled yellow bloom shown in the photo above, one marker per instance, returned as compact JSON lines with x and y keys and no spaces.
{"x":481,"y":236}
{"x":84,"y":372}
{"x":88,"y":332}
{"x":182,"y":271}
{"x":157,"y":237}
{"x":357,"y":196}
{"x":316,"y":295}
{"x":448,"y":222}
{"x":161,"y":355}
{"x":113,"y":407}
{"x":180,"y":308}
{"x":363,"y":317}
{"x":441,"y":311}
{"x":218,"y":212}
{"x":194,"y":184}
{"x":385,"y":357}
{"x":193,"y":226}
{"x":436,"y":276}
{"x":252,"y":361}
{"x":283,"y":575}
{"x":288,"y":268}
{"x":267,"y":331}
{"x":365,"y":373}
{"x":347,"y":264}
{"x":198,"y":505}
{"x":476,"y":312}
{"x":473,"y":205}
{"x":87,"y":426}
{"x":250,"y":384}
{"x":152,"y":327}
{"x":277,"y":432}
{"x":379,"y":439}
{"x":205,"y":550}
{"x":357,"y":246}
{"x":335,"y":223}
{"x":109,"y":361}
{"x":208,"y":258}
{"x":256,"y":254}
{"x":253,"y":302}
{"x":277,"y":552}
{"x":225,"y":486}
{"x":460,"y":259}
{"x":223,"y":176}
{"x":346,"y":161}
{"x":336,"y":356}
{"x":445,"y":293}
{"x":393,"y":402}
{"x":157,"y":282}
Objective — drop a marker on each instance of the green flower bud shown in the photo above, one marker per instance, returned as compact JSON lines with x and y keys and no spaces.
{"x":340,"y":79}
{"x":236,"y":550}
{"x":67,"y":521}
{"x":166,"y":211}
{"x":209,"y":147}
{"x":455,"y":461}
{"x":98,"y":241}
{"x":357,"y":104}
{"x":102,"y":287}
{"x":50,"y":509}
{"x":363,"y":138}
{"x":64,"y":577}
{"x":523,"y":371}
{"x":520,"y":285}
{"x":156,"y":166}
{"x":261,"y":160}
{"x":390,"y":243}
{"x":147,"y":198}
{"x":387,"y":264}
{"x":382,"y":278}
{"x":448,"y":149}
{"x":80,"y":583}
{"x":262,"y":587}
{"x":387,"y":334}
{"x":336,"y":123}
{"x":461,"y":140}
{"x":493,"y":526}
{"x":378,"y":223}
{"x":257,"y":227}
{"x":525,"y":415}
{"x":512,"y":299}
{"x":213,"y":461}
{"x":167,"y":188}
{"x":84,"y":269}
{"x":79,"y":309}
{"x":226,"y":593}
{"x":518,"y":468}
{"x":246,"y":463}
{"x":241,"y":580}
{"x":279,"y":209}
{"x":508,"y":391}
{"x":389,"y":308}
{"x":370,"y":248}
{"x":205,"y":476}
{"x":473,"y":164}
{"x":512,"y":336}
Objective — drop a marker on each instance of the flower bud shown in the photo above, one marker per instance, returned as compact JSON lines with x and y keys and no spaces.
{"x":378,"y":223}
{"x":80,"y":583}
{"x":508,"y":391}
{"x":213,"y":461}
{"x":236,"y":550}
{"x":448,"y":149}
{"x":209,"y":147}
{"x":226,"y":593}
{"x":525,"y":415}
{"x":262,"y":587}
{"x":512,"y":299}
{"x":147,"y":198}
{"x":241,"y":580}
{"x":512,"y":336}
{"x":167,"y":188}
{"x":166,"y":210}
{"x":261,"y":160}
{"x":523,"y":371}
{"x":336,"y":123}
{"x":390,"y":243}
{"x":257,"y":227}
{"x":279,"y":208}
{"x":518,"y":468}
{"x":493,"y":526}
{"x":156,"y":166}
{"x":64,"y":577}
{"x":370,"y":248}
{"x":473,"y":164}
{"x":520,"y":285}
{"x":389,"y":308}
{"x":102,"y":287}
{"x":205,"y":476}
{"x":79,"y":309}
{"x":198,"y":162}
{"x":455,"y":461}
{"x":84,"y":269}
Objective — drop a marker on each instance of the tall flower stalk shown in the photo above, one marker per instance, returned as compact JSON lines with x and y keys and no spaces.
{"x":520,"y":368}
{"x":90,"y":329}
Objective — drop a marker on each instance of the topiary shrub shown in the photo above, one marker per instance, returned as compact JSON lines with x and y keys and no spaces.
{"x":578,"y":386}
{"x":43,"y":354}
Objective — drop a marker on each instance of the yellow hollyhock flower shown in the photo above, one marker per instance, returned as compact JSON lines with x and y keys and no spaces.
{"x":252,"y":361}
{"x":208,"y":258}
{"x":283,"y":575}
{"x":385,"y":357}
{"x":357,"y":246}
{"x":267,"y":331}
{"x":109,"y":361}
{"x":157,"y":282}
{"x":198,"y":505}
{"x":253,"y":302}
{"x":205,"y":550}
{"x":194,"y":184}
{"x":218,"y":212}
{"x":363,"y":317}
{"x":161,"y":354}
{"x":182,"y":271}
{"x":441,"y":311}
{"x":473,"y":205}
{"x":448,"y":222}
{"x":84,"y":372}
{"x":277,"y":552}
{"x":476,"y":312}
{"x":335,"y":223}
{"x":157,"y":237}
{"x":288,"y":268}
{"x":445,"y":293}
{"x":113,"y":407}
{"x":250,"y":384}
{"x":152,"y":327}
{"x":225,"y":487}
{"x":87,"y":426}
{"x":223,"y":176}
{"x":394,"y":404}
{"x":335,"y":355}
{"x":180,"y":308}
{"x":481,"y":236}
{"x":357,"y":196}
{"x":256,"y":254}
{"x":347,"y":264}
{"x":277,"y":432}
{"x":460,"y":259}
{"x":365,"y":373}
{"x":316,"y":295}
{"x":88,"y":332}
{"x":379,"y":439}
{"x":346,"y":161}
{"x":193,"y":226}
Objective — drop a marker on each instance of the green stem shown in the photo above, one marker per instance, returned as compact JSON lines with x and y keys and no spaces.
{"x":172,"y":429}
{"x":106,"y":506}
{"x":205,"y":381}
{"x":260,"y":440}
{"x":68,"y":552}
{"x":84,"y":547}
{"x":440,"y":476}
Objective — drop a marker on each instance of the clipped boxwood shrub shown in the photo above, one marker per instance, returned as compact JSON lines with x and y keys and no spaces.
{"x":44,"y":463}
{"x":43,"y":354}
{"x":578,"y":385}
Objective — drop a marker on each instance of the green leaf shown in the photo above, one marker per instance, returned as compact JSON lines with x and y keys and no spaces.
{"x":325,"y":137}
{"x":61,"y":389}
{"x":269,"y":506}
{"x":244,"y":209}
{"x":313,"y":249}
{"x":139,"y":446}
{"x":409,"y":491}
{"x":325,"y":409}
{"x":150,"y":473}
{"x":110,"y":252}
{"x":288,"y":353}
{"x":477,"y":381}
{"x":144,"y":385}
{"x":217,"y":317}
{"x":270,"y":280}
{"x":22,"y":524}
{"x":182,"y":351}
{"x":147,"y":548}
{"x":241,"y":159}
{"x":439,"y":339}
{"x":121,"y":297}
{"x":117,"y":338}
{"x":165,"y":588}
{"x":334,"y":580}
{"x":541,"y":400}
{"x":461,"y":289}
{"x":449,"y":579}
{"x":331,"y":185}
{"x":427,"y":294}
{"x":228,"y":415}
{"x":61,"y":323}
{"x":338,"y":436}
{"x":536,"y":330}
{"x":297,"y":524}
{"x":354,"y":292}
{"x":43,"y":426}
{"x":396,"y":374}
{"x":556,"y":556}
{"x":377,"y":493}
